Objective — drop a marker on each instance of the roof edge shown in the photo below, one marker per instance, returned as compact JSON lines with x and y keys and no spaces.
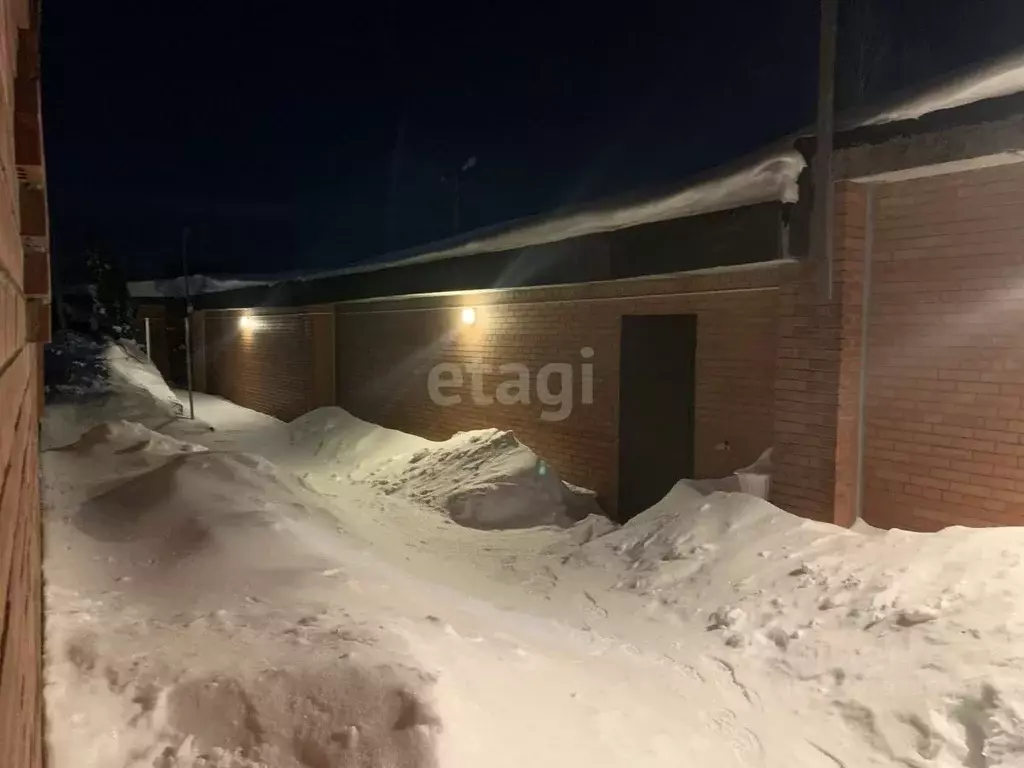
{"x":765,"y":177}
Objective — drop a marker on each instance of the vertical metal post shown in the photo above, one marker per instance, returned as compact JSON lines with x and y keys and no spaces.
{"x":188,"y":318}
{"x":188,"y":365}
{"x":149,"y":340}
{"x":456,"y":223}
{"x":334,"y":355}
{"x":824,"y":192}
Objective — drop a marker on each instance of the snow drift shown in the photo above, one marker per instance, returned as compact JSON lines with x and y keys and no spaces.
{"x":481,"y":479}
{"x":848,"y":613}
{"x":92,"y":382}
{"x":210,"y":608}
{"x":157,"y":630}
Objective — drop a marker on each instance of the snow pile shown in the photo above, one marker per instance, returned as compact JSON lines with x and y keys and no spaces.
{"x":481,"y":479}
{"x":91,"y":382}
{"x":700,"y":552}
{"x":207,"y":607}
{"x":158,"y":631}
{"x":697,"y":549}
{"x":131,"y":368}
{"x":332,"y":435}
{"x":914,"y":637}
{"x":165,"y":498}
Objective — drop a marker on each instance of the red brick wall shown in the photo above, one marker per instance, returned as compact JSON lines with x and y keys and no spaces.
{"x":283,"y":366}
{"x":778,"y":361}
{"x":20,"y":586}
{"x":945,"y":400}
{"x":817,"y":379}
{"x":386,"y":349}
{"x":24,"y":315}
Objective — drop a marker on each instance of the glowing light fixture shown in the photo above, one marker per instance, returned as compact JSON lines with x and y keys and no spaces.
{"x":246,"y":322}
{"x":468,"y":316}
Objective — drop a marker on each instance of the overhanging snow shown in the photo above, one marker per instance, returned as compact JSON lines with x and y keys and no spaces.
{"x":198,"y":284}
{"x":998,"y":78}
{"x":771,"y":177}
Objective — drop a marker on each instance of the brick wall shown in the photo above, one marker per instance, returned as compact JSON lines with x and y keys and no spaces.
{"x":285,"y":364}
{"x":945,"y":399}
{"x":282,"y":365}
{"x":931,"y":268}
{"x":24,"y":322}
{"x":817,"y":379}
{"x":386,"y":349}
{"x":943,"y":358}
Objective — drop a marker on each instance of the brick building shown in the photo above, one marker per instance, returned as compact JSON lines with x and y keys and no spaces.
{"x":556,"y":297}
{"x":889,"y":377}
{"x":24,"y":326}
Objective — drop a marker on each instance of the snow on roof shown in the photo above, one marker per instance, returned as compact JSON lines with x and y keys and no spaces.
{"x":198,"y":284}
{"x":994,"y":79}
{"x":769,"y":177}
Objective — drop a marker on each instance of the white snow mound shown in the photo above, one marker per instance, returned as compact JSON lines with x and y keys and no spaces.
{"x":161,"y":557}
{"x":700,"y":552}
{"x":209,"y":610}
{"x":481,"y":479}
{"x":120,"y":384}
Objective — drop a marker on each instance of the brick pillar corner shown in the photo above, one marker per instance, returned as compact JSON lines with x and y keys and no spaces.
{"x":817,"y":386}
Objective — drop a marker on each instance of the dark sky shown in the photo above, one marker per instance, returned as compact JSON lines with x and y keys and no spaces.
{"x":310,"y":134}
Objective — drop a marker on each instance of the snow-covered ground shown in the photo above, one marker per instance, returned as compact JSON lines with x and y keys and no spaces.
{"x":241,"y":592}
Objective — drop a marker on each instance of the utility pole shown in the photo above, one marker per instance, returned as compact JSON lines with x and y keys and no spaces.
{"x":456,"y":224}
{"x":456,"y":179}
{"x":824,"y":192}
{"x":188,"y":322}
{"x":394,"y":184}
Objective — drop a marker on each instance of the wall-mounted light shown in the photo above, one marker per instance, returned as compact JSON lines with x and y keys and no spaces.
{"x":246,"y":322}
{"x":468,"y":316}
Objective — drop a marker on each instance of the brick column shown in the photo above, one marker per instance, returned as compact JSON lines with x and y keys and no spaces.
{"x":817,"y":386}
{"x":24,"y":326}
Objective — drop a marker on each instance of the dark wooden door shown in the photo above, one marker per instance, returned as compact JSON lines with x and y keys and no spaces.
{"x":656,"y":404}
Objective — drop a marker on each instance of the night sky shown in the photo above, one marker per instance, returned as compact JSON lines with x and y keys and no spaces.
{"x":314,"y":134}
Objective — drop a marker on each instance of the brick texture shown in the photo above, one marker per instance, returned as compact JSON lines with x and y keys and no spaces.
{"x":21,"y":325}
{"x":817,"y":378}
{"x":386,"y":350}
{"x":944,"y":355}
{"x":778,"y":361}
{"x":20,"y":626}
{"x":283,"y":365}
{"x":945,"y":399}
